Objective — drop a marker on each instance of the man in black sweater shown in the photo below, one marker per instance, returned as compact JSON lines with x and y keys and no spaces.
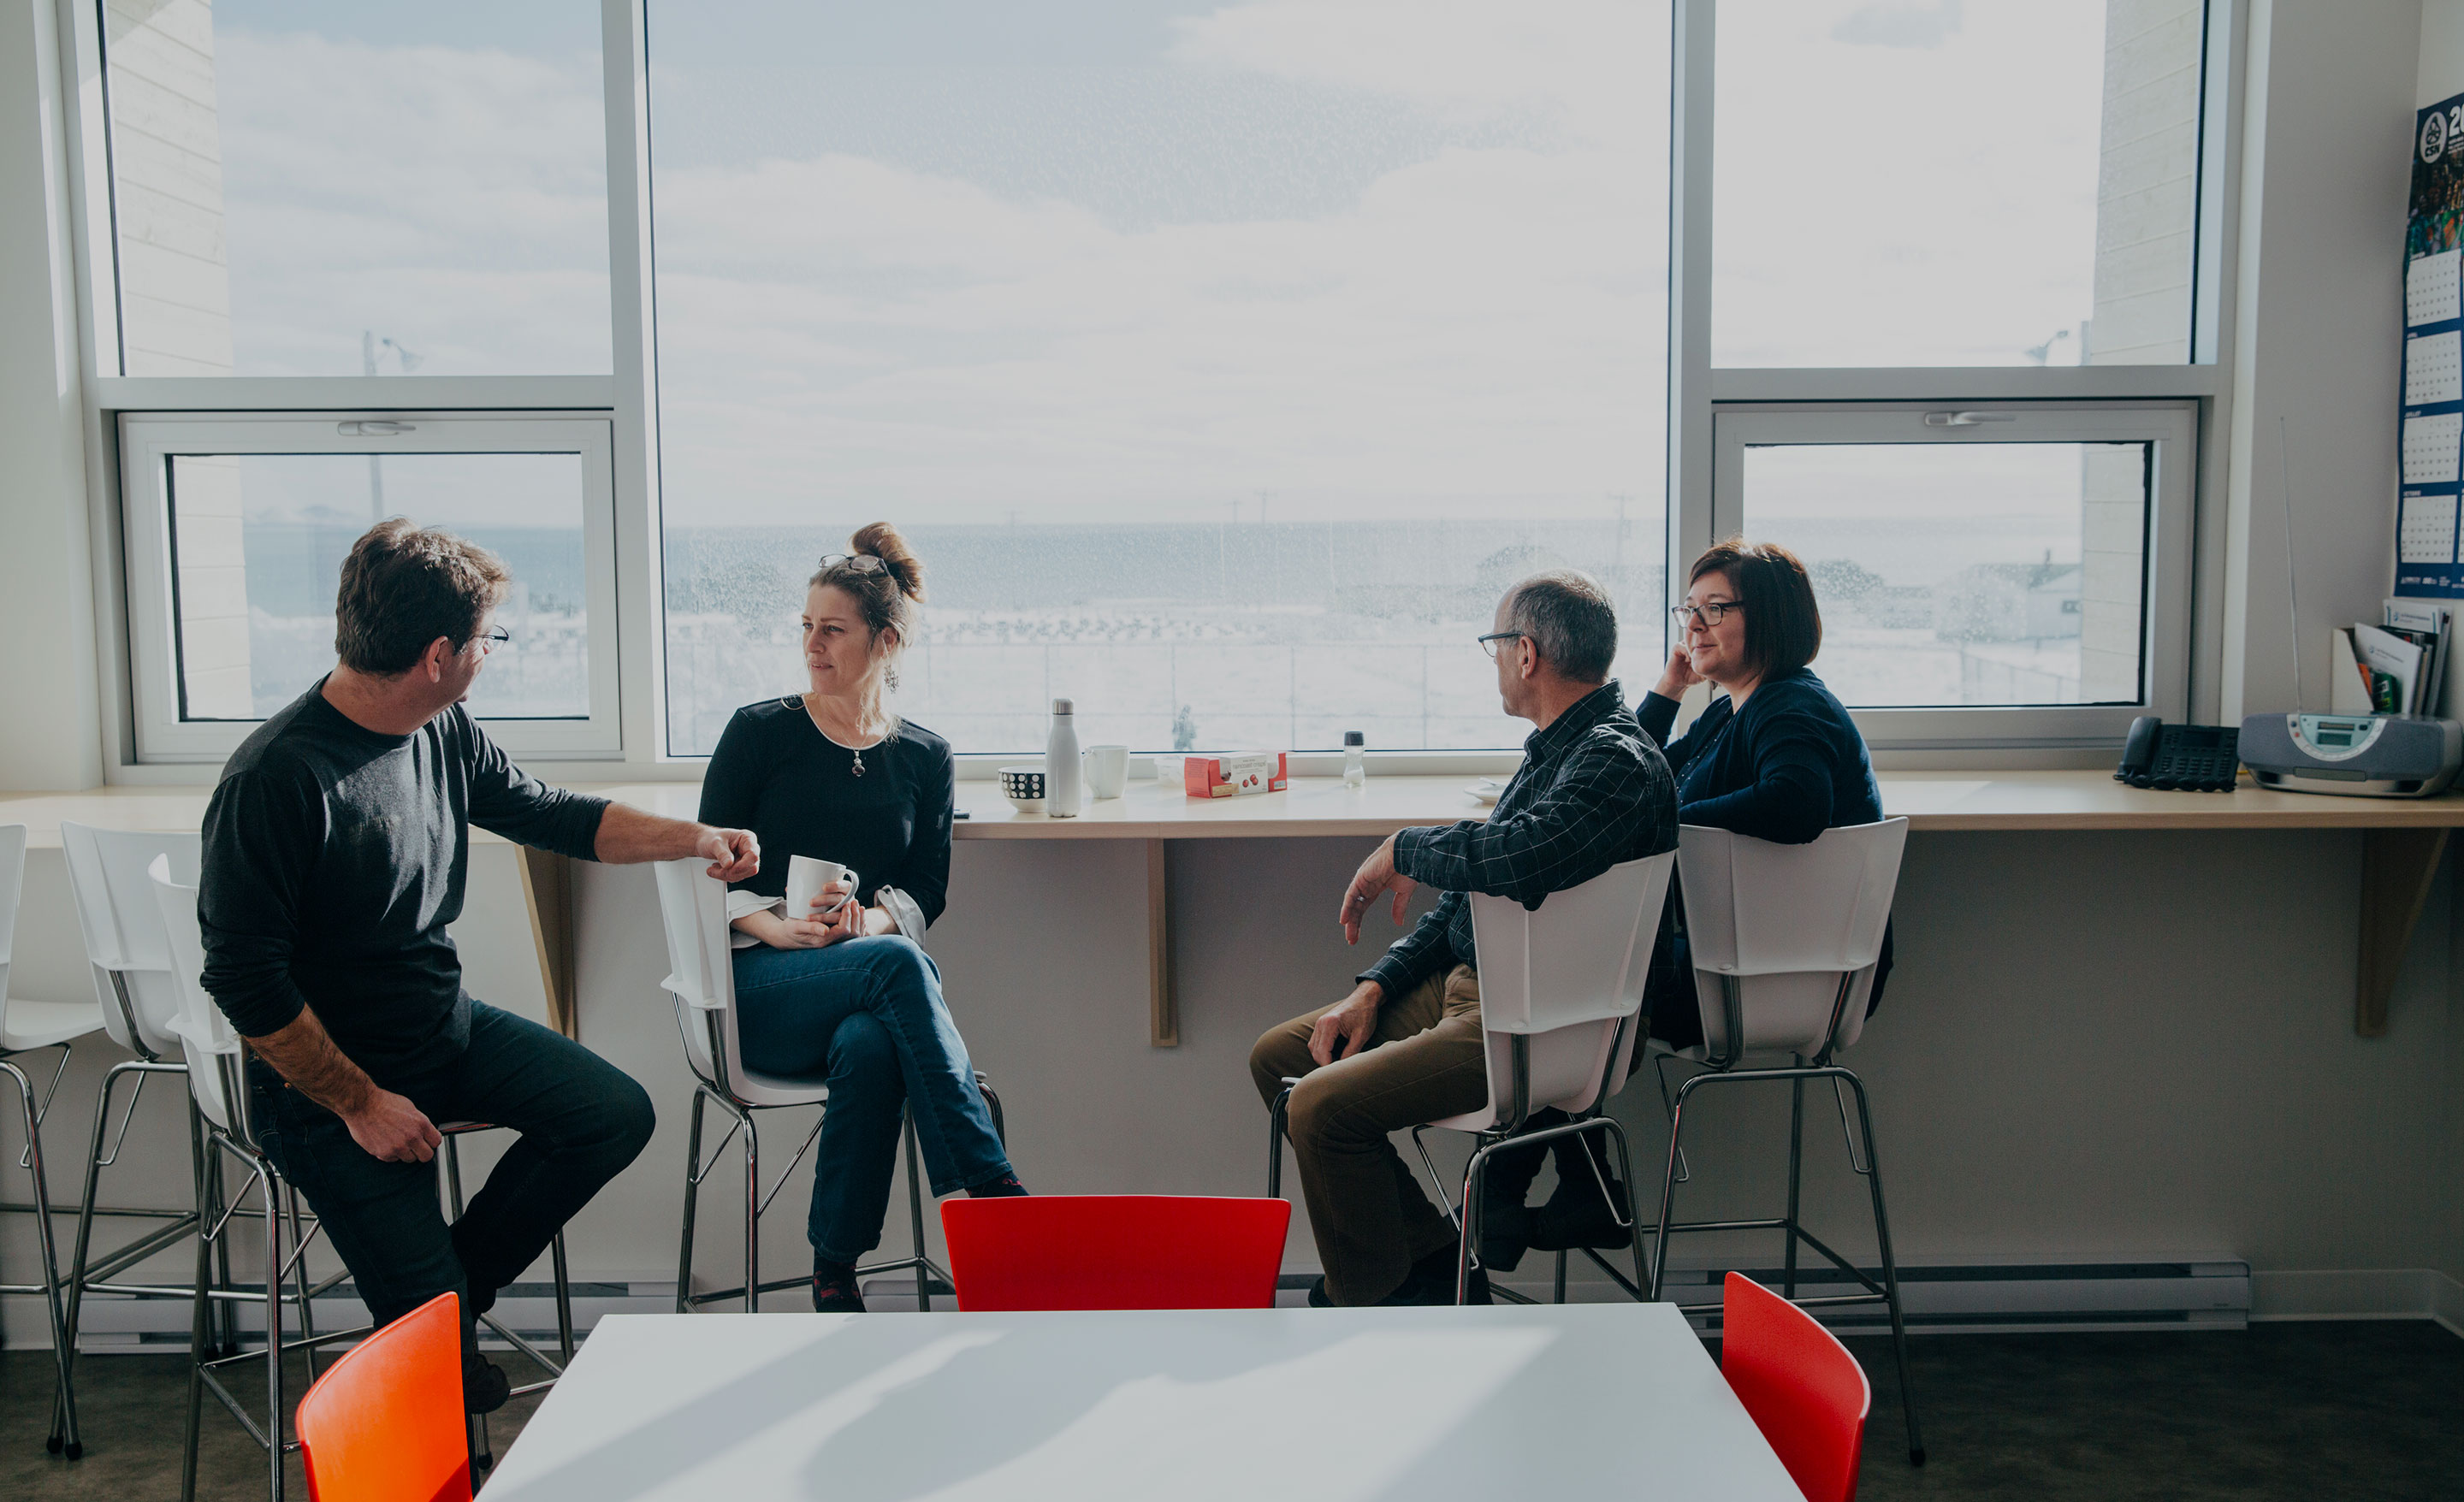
{"x":336,"y":847}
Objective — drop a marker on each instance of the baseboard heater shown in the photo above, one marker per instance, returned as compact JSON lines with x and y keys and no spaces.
{"x":2197,"y":1293}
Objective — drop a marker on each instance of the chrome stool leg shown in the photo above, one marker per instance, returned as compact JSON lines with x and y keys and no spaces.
{"x":1890,"y":1265}
{"x":49,"y":1285}
{"x":915,"y":1215}
{"x":693,"y":1196}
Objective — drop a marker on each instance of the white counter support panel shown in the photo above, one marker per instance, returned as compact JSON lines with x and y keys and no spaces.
{"x":2402,"y":842}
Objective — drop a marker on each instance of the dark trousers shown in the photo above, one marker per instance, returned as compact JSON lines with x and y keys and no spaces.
{"x":867,"y":1016}
{"x":580,"y":1120}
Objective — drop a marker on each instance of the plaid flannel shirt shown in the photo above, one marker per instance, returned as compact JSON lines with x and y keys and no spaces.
{"x":1592,"y":790}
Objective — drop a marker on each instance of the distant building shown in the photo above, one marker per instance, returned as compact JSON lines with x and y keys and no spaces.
{"x":2008,"y":603}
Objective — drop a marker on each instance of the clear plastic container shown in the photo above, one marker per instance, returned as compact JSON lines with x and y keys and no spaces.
{"x":1356,"y":770}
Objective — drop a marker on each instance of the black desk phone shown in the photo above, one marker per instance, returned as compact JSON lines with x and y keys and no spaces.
{"x":2193,"y":758}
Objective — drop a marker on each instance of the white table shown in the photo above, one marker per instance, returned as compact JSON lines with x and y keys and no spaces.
{"x":1281,"y":1404}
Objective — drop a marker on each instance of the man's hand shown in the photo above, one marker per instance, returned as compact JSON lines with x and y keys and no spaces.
{"x":1377,"y":876}
{"x":734,"y":853}
{"x":386,"y":1127}
{"x":627,"y":835}
{"x":389,"y":1128}
{"x":1344,"y":1028}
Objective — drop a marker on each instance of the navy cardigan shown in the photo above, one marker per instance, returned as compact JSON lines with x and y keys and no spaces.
{"x":1787,"y":767}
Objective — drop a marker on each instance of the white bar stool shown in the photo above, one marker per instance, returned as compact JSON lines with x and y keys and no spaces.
{"x":1561,"y":991}
{"x":218,"y":1085}
{"x":702,"y":980}
{"x":26,"y":1026}
{"x":139,"y":1004}
{"x":1785,"y":940}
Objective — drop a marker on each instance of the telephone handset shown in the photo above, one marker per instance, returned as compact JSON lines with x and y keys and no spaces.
{"x":2193,"y":758}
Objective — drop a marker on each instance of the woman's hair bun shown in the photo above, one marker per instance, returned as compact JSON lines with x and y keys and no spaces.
{"x":882,"y":541}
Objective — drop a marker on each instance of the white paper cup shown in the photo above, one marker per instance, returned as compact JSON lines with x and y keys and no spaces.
{"x":807,"y":876}
{"x":1108,"y":769}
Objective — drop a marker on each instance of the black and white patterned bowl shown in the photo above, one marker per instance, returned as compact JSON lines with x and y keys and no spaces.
{"x":1024,"y":786}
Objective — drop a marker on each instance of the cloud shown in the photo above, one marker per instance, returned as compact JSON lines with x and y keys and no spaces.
{"x":454,"y":200}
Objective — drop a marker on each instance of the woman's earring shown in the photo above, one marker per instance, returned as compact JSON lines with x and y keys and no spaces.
{"x":890,"y":675}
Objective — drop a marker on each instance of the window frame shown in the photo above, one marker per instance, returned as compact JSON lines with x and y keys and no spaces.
{"x":150,"y":440}
{"x":2163,"y":617}
{"x":625,"y":400}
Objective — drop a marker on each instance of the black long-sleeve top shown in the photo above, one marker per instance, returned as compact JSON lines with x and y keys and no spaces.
{"x":776,"y":773}
{"x":334,"y":861}
{"x":1788,"y":766}
{"x":1592,"y":792}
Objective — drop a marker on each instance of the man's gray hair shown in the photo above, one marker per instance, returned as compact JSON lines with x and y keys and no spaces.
{"x":1567,"y":615}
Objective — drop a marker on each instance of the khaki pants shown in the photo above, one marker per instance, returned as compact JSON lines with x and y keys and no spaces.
{"x":1425,"y":1062}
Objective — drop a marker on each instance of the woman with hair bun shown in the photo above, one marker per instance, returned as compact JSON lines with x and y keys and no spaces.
{"x":846,"y":993}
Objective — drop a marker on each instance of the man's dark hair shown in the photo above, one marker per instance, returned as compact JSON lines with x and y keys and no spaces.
{"x":1567,"y":615}
{"x":1783,"y":624}
{"x":404,"y":586}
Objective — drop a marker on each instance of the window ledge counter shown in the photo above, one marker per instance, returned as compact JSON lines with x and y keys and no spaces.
{"x":2405,"y":840}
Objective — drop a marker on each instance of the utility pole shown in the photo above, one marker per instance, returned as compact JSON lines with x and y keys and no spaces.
{"x":369,"y":345}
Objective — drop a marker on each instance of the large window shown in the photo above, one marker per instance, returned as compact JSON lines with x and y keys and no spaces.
{"x":1223,"y":361}
{"x":237,"y":530}
{"x":1994,"y":183}
{"x":351,"y":189}
{"x":2012,"y":574}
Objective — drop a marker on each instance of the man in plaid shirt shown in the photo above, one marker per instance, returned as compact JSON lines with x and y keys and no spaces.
{"x":1406,"y":1047}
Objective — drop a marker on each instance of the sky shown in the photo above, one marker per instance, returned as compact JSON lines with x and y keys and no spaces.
{"x":1141,"y":259}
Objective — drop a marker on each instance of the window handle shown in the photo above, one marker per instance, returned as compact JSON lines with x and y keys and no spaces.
{"x":1967,"y":419}
{"x":386,"y":430}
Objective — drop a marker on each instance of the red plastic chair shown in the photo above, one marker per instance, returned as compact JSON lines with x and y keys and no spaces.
{"x":385,"y":1424}
{"x":1115,"y":1251}
{"x":1807,"y":1394}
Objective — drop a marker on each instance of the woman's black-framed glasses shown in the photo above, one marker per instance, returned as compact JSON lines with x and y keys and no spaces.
{"x":1711,"y":613}
{"x":1496,"y":640}
{"x":860,"y":562}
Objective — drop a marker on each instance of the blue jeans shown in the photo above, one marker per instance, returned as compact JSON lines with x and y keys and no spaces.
{"x":867,"y":1016}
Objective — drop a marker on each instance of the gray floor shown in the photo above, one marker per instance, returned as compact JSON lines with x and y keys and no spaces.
{"x":2348,"y":1410}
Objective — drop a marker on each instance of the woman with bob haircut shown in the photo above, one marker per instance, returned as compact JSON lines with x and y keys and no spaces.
{"x":846,"y":993}
{"x":1775,"y":756}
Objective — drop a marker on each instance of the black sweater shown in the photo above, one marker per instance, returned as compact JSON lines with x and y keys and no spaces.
{"x":776,"y":775}
{"x":1787,"y":767}
{"x":334,"y":861}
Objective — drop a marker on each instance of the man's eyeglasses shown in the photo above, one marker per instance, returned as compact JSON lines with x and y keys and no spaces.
{"x":493,"y":638}
{"x":860,"y":562}
{"x":1711,"y":613}
{"x":1495,"y":641}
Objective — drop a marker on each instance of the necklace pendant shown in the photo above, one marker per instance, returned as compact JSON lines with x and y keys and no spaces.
{"x":858,"y":764}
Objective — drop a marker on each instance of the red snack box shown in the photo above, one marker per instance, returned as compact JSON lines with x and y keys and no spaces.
{"x":1234,"y":776}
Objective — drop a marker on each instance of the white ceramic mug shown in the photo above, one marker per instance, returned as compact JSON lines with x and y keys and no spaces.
{"x":1108,"y":769}
{"x":807,"y":876}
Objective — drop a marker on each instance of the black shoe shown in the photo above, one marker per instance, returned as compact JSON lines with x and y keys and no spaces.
{"x":1505,"y":1234}
{"x":1318,"y":1297}
{"x":485,"y":1387}
{"x":1430,"y":1283}
{"x":835,"y":1289}
{"x":1576,"y":1216}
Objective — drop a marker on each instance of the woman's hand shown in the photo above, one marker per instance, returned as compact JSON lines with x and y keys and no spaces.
{"x":836,"y":917}
{"x":1680,"y":674}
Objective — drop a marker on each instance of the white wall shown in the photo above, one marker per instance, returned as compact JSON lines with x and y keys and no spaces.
{"x":50,"y":734}
{"x":2325,"y":171}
